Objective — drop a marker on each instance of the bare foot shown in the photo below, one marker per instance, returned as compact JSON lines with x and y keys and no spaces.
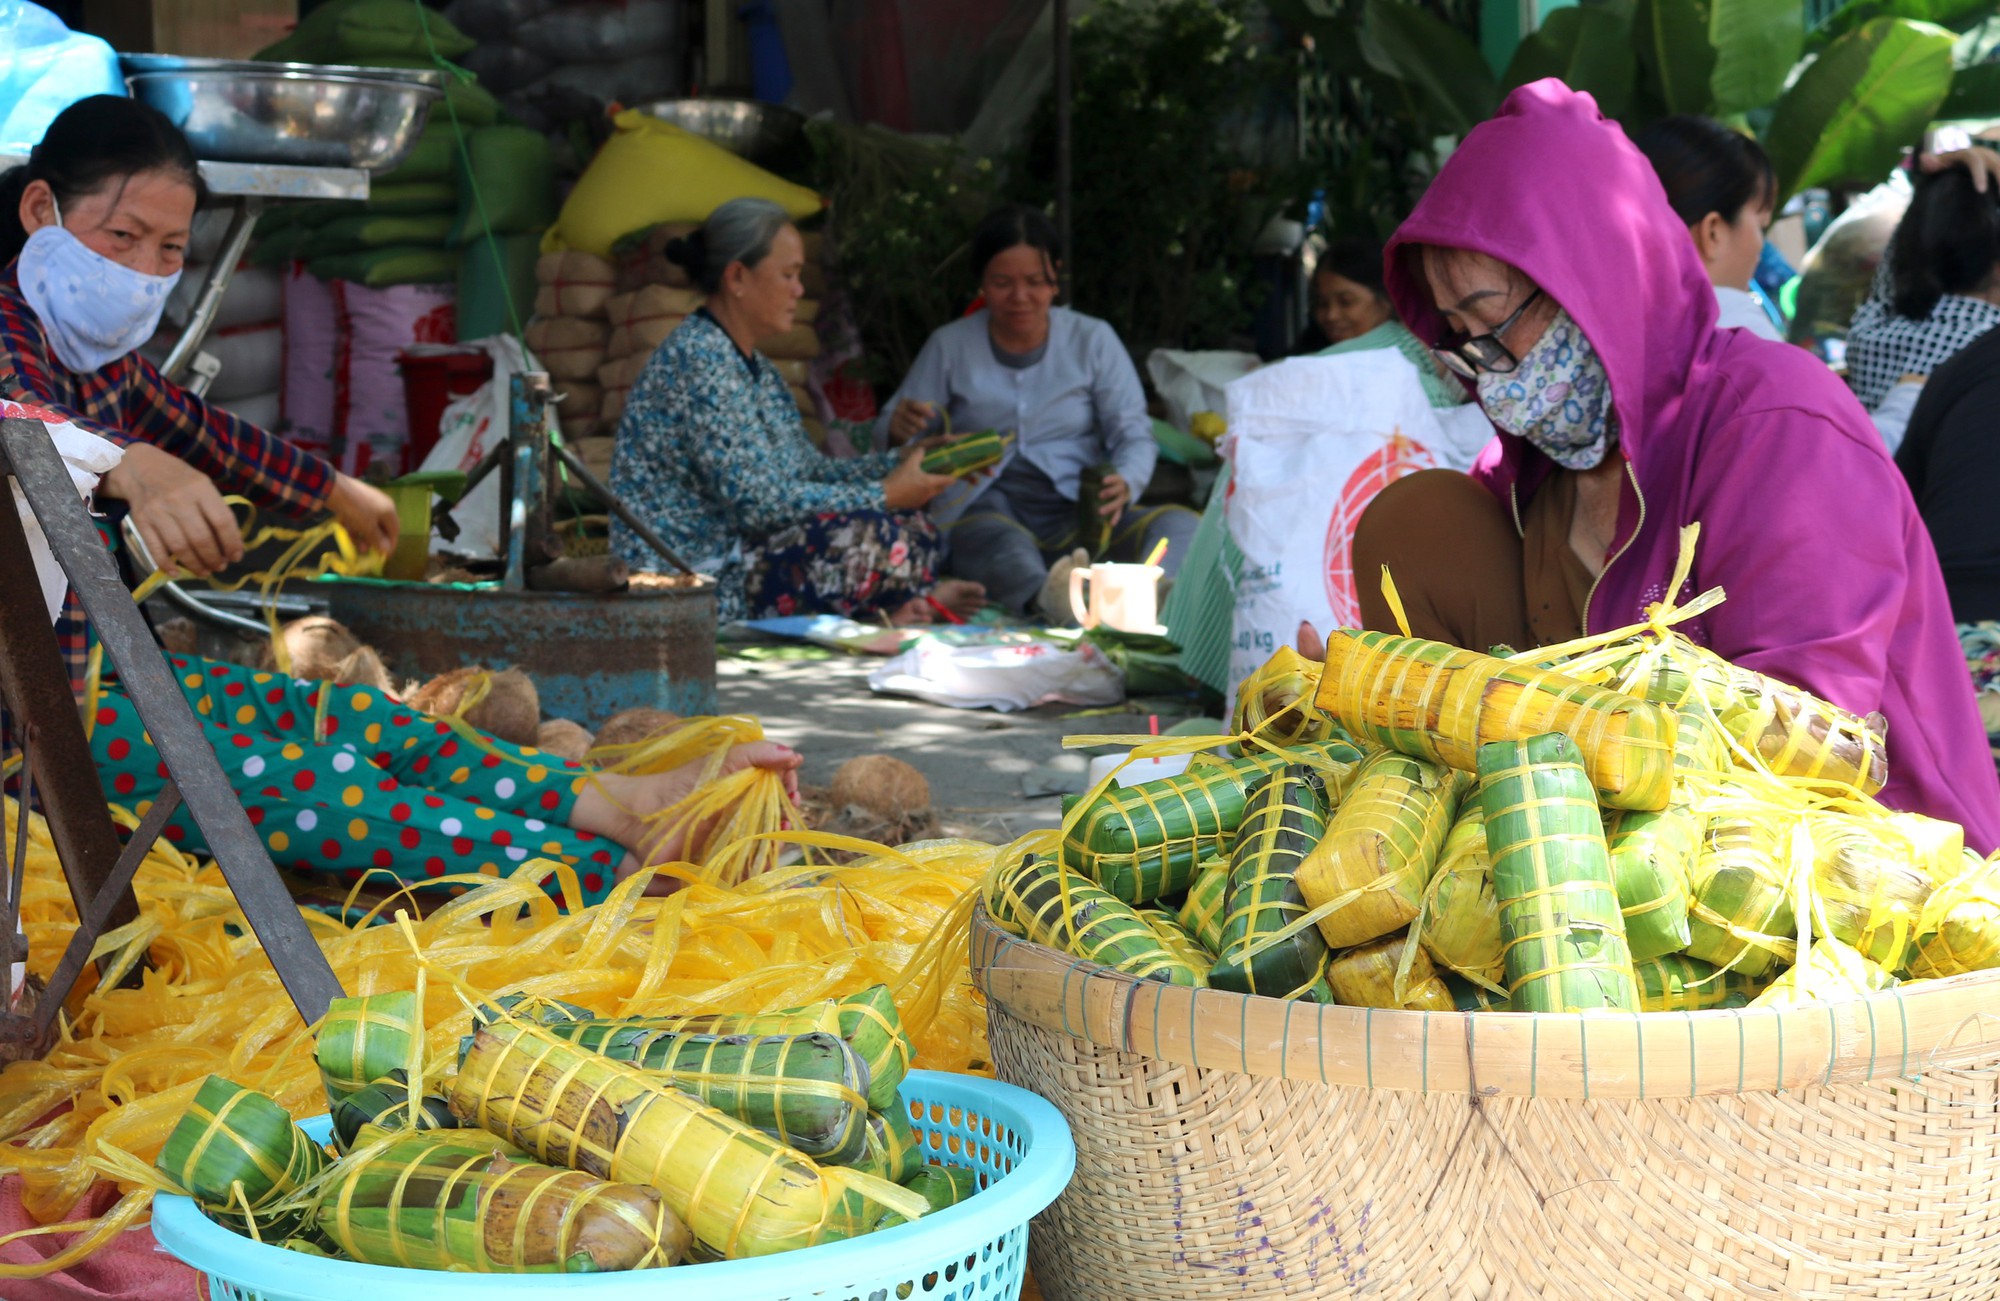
{"x":617,"y":806}
{"x":961,"y":596}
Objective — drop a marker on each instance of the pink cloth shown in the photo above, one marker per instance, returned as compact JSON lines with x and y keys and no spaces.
{"x":131,"y":1267}
{"x":1832,"y":581}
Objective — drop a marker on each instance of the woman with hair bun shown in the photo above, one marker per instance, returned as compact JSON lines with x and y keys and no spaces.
{"x":712,"y":452}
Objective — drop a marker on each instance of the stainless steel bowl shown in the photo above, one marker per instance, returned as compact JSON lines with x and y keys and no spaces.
{"x":745,"y":127}
{"x":302,"y":114}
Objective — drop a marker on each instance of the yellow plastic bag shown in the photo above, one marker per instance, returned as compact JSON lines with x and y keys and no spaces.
{"x":650,"y":171}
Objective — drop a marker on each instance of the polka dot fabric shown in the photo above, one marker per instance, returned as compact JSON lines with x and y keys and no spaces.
{"x":389,"y":788}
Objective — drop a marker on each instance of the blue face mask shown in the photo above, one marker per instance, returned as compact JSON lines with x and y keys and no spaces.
{"x":93,"y":309}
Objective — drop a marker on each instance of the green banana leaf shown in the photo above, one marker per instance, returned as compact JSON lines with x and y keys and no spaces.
{"x":1676,"y":52}
{"x":1756,"y":43}
{"x":1850,"y":113}
{"x":1975,"y":93}
{"x":1589,"y":49}
{"x":1447,"y":69}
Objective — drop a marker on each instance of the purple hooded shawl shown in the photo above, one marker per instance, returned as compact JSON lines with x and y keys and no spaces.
{"x":1831,"y":579}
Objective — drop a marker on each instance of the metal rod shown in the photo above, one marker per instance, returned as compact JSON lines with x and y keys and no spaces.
{"x":179,"y":597}
{"x":242,"y":225}
{"x":10,"y":918}
{"x":519,"y":487}
{"x":1062,"y":98}
{"x":621,"y":510}
{"x":91,"y":918}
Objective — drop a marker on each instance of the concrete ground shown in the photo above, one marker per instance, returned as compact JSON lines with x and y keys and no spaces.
{"x":980,"y":763}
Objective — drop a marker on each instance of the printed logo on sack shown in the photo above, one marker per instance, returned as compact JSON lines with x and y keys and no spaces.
{"x":1398,"y":456}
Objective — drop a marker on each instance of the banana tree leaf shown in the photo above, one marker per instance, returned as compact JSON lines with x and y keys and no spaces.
{"x":1674,"y":48}
{"x":1588,"y":49}
{"x":1403,"y":40}
{"x":1851,"y":112}
{"x":1955,"y":14}
{"x":1756,"y":42}
{"x":1975,"y":93}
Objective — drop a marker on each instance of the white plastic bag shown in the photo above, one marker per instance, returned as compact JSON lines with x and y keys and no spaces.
{"x":1195,"y":381}
{"x":1008,"y":676}
{"x":471,"y":427}
{"x":88,"y":459}
{"x":1314,"y":439}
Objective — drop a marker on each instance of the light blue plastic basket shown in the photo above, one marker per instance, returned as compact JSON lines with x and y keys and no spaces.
{"x":975,"y":1251}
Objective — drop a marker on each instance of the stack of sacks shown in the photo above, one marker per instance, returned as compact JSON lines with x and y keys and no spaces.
{"x":541,"y":55}
{"x":343,"y":390}
{"x":655,"y":295}
{"x":506,"y":199}
{"x":568,"y":336}
{"x":404,"y":233}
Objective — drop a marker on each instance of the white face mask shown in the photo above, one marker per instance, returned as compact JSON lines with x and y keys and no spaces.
{"x":94,"y":310}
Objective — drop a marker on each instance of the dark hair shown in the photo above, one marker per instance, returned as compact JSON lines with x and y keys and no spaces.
{"x":741,"y":230}
{"x":1947,"y":243}
{"x":1706,"y":167}
{"x":1012,"y":226}
{"x":1357,"y":259}
{"x":94,"y":142}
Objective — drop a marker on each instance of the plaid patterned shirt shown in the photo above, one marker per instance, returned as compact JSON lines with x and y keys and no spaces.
{"x":128,"y":402}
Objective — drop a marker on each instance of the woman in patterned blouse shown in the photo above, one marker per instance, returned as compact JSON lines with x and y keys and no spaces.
{"x":712,"y":452}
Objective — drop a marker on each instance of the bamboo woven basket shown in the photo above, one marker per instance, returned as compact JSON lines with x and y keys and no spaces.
{"x":1230,"y":1146}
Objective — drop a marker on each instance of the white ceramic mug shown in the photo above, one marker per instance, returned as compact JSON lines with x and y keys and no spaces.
{"x":1124,"y":597}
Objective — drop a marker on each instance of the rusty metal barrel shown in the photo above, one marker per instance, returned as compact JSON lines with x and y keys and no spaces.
{"x":590,"y":655}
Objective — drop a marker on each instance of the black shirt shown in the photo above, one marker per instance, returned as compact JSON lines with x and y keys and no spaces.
{"x":1951,"y":458}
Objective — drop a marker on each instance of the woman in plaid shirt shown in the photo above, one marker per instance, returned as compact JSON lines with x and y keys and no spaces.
{"x":93,"y":233}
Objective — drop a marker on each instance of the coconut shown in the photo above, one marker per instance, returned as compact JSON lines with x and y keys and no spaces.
{"x":888,"y":788}
{"x":317,"y":646}
{"x":563,"y":739}
{"x":635,"y":725}
{"x":364,"y":668}
{"x":511,"y":709}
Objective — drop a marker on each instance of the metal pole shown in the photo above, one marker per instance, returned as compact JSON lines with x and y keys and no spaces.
{"x":1062,"y":94}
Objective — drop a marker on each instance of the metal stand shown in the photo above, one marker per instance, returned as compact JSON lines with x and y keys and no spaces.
{"x":528,"y":462}
{"x":57,"y":762}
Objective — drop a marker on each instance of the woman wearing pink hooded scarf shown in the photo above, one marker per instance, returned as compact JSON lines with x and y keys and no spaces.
{"x":1549,"y":270}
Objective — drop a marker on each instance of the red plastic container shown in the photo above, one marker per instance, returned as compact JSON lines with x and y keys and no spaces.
{"x":432,"y":378}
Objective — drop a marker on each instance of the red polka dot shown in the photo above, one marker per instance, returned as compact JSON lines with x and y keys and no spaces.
{"x":585,"y":836}
{"x":383,"y":858}
{"x":218,"y":671}
{"x":332,"y":725}
{"x":233,"y":689}
{"x":119,"y":748}
{"x":174,"y":834}
{"x":399,"y":813}
{"x":272,"y":793}
{"x":276,"y":695}
{"x":461,"y":846}
{"x":433,"y":802}
{"x":550,"y":799}
{"x":444,"y":729}
{"x":330,"y":849}
{"x":352,"y":873}
{"x":421,"y":765}
{"x":107,"y":716}
{"x":399,"y":720}
{"x":448,"y":749}
{"x":434,"y":867}
{"x":124,"y":783}
{"x":160,"y":768}
{"x":241,"y":740}
{"x":178,"y":661}
{"x":411,"y":838}
{"x":601,"y":856}
{"x":256,"y":815}
{"x":287,"y":721}
{"x":490,"y":761}
{"x":502,"y":838}
{"x":313,"y":699}
{"x":303,"y":780}
{"x":382,"y":758}
{"x":386,"y":785}
{"x":593,"y":882}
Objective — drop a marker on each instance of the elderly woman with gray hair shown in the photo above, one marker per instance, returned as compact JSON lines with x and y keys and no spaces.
{"x":712,"y":453}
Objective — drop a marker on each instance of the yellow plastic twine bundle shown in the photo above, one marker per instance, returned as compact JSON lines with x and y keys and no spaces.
{"x":130,"y":1060}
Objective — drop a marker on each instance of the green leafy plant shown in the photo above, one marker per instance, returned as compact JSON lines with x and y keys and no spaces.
{"x":1170,"y":185}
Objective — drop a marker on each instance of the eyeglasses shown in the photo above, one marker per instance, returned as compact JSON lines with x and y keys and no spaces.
{"x":1469,"y":356}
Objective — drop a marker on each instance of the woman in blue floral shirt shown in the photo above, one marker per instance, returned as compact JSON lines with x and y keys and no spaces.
{"x":712,"y":453}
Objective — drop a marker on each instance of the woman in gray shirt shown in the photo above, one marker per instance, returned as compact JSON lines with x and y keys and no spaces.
{"x":1066,"y":385}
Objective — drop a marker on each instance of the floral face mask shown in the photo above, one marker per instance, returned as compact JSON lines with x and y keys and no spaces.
{"x":1558,"y":398}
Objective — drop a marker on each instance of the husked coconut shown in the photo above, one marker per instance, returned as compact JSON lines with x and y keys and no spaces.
{"x":317,"y":646}
{"x":364,"y":668}
{"x":511,"y":708}
{"x":886,"y":787}
{"x":635,"y":725}
{"x":563,"y":739}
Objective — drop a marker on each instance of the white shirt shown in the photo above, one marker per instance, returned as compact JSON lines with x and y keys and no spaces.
{"x":1741,"y":311}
